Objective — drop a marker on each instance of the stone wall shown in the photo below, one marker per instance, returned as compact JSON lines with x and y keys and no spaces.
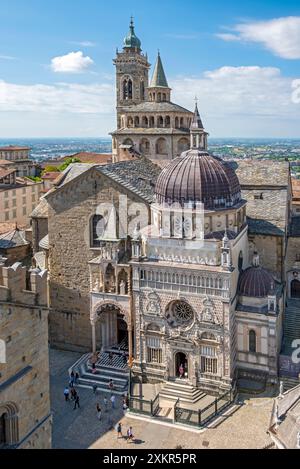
{"x":70,"y":211}
{"x":24,"y":368}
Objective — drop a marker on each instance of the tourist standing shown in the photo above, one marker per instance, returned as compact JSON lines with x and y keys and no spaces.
{"x":76,"y":404}
{"x":76,"y":377}
{"x":111,"y":385}
{"x":99,"y":412}
{"x":72,"y":379}
{"x":66,"y":394}
{"x":129,"y":435}
{"x":113,"y":401}
{"x":105,"y":401}
{"x":73,"y":394}
{"x":181,"y":371}
{"x":95,"y":388}
{"x":119,"y":430}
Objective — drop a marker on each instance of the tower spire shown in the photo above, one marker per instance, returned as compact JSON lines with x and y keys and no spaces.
{"x":159,"y":77}
{"x":131,"y":41}
{"x":198,"y":134}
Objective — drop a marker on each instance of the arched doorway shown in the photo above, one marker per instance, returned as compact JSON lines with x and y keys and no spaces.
{"x":295,"y":288}
{"x":122,"y":333}
{"x":181,"y":359}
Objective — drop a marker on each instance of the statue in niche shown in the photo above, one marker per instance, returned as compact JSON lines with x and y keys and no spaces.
{"x":208,"y":314}
{"x":122,"y":288}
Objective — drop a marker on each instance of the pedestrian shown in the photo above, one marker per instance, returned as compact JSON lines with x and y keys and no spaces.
{"x":72,"y":379}
{"x":119,"y":430}
{"x":110,"y":358}
{"x":181,"y":371}
{"x":95,"y":388}
{"x":124,"y":408}
{"x":76,"y":377}
{"x":66,"y":394}
{"x":111,"y":385}
{"x":105,"y":402}
{"x":73,"y":394}
{"x":129,"y":435}
{"x":99,"y":412}
{"x":113,"y":401}
{"x":76,"y":404}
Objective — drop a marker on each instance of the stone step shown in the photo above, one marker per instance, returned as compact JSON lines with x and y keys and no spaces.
{"x":105,"y":378}
{"x":173,"y":391}
{"x":100,"y":389}
{"x":289,"y":383}
{"x":102,"y":384}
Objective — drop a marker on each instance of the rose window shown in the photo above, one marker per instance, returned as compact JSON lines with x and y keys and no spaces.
{"x":179,"y":313}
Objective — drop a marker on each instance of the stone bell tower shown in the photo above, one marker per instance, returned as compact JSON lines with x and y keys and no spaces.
{"x":132,"y":73}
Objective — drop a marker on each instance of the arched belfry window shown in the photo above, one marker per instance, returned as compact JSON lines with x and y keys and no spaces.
{"x":127,"y":89}
{"x":97,"y":230}
{"x":9,"y":428}
{"x":252,"y":341}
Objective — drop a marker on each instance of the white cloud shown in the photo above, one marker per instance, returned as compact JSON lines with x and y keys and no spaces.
{"x":241,"y":101}
{"x":234,"y":101}
{"x":96,"y":98}
{"x":280,"y":35}
{"x":83,"y":43}
{"x":7,"y":57}
{"x":74,"y":62}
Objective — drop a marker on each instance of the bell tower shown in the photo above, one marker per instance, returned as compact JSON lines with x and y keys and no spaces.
{"x":132,"y":73}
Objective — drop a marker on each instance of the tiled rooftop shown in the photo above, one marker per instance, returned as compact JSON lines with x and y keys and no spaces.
{"x":151,"y":106}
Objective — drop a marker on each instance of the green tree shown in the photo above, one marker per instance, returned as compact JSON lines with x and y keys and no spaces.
{"x":67,"y":163}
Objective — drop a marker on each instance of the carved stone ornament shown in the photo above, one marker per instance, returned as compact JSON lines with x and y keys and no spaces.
{"x":153,"y":306}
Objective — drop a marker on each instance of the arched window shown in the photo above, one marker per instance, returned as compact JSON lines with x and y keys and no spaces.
{"x":159,"y":97}
{"x":161,"y":146}
{"x":183,"y":145}
{"x":130,"y":89}
{"x":142,"y":90}
{"x":145,"y":121}
{"x":9,"y":429}
{"x":128,"y":142}
{"x":144,"y":146}
{"x":127,"y":89}
{"x":136,"y":121}
{"x":160,"y":121}
{"x":176,"y":123}
{"x":97,"y":230}
{"x":151,"y":121}
{"x":181,"y":122}
{"x":252,"y":341}
{"x":110,"y":283}
{"x":168,"y":122}
{"x":130,"y":122}
{"x":164,"y":97}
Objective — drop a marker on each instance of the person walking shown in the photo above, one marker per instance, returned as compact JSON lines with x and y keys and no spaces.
{"x":76,"y":377}
{"x":76,"y":404}
{"x":95,"y":388}
{"x":105,"y":402}
{"x":119,"y":430}
{"x":99,"y":412}
{"x":72,"y":379}
{"x":124,"y":408}
{"x":67,"y":394}
{"x":73,"y":394}
{"x":113,"y":401}
{"x":111,"y":385}
{"x":129,"y":435}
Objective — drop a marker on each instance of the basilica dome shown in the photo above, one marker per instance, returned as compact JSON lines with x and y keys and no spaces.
{"x":256,"y":282}
{"x":197,"y":176}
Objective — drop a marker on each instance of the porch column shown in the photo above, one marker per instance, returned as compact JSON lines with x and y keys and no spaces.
{"x":130,"y":344}
{"x":94,"y":337}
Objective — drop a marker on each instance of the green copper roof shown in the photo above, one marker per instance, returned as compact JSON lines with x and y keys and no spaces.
{"x":131,"y":40}
{"x":159,"y":77}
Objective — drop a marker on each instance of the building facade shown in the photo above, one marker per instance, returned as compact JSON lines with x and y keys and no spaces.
{"x":20,"y":157}
{"x":25,"y":419}
{"x":132,"y":265}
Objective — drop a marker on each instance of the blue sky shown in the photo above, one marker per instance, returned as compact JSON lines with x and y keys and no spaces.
{"x":242,"y":60}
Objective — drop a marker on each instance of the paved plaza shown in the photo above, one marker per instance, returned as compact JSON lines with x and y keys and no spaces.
{"x":244,"y":427}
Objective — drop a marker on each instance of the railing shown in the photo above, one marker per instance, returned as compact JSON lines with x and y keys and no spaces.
{"x":140,"y":406}
{"x":155,"y":406}
{"x":201,"y":417}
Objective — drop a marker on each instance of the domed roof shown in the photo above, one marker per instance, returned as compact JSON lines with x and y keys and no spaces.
{"x":256,"y":282}
{"x":197,"y":176}
{"x":131,"y":41}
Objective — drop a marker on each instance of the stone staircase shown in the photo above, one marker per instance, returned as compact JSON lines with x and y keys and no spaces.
{"x":180,"y":389}
{"x":106,"y":370}
{"x":291,"y":326}
{"x":289,"y":383}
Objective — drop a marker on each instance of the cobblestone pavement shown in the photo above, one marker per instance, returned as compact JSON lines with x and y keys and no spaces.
{"x":245,"y":427}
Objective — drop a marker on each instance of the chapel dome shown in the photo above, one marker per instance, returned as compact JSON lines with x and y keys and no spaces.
{"x":256,"y":282}
{"x":197,"y":176}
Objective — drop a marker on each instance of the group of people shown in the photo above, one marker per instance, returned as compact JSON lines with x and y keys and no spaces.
{"x":129,"y":433}
{"x":71,"y":394}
